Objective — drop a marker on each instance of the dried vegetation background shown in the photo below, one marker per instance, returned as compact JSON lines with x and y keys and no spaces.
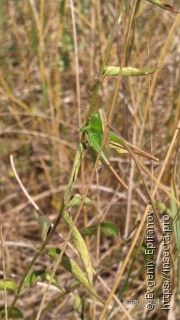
{"x":39,"y":126}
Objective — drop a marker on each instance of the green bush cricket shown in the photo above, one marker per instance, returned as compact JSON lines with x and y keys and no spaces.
{"x":93,"y":130}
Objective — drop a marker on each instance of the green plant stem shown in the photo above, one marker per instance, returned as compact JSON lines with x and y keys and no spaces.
{"x":59,"y":297}
{"x":96,"y":86}
{"x":93,"y":102}
{"x":36,"y":256}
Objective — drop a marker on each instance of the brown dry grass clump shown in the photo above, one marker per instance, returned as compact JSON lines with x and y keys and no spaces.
{"x":40,"y":121}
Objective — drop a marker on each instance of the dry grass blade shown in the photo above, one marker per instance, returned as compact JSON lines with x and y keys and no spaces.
{"x":122,"y":269}
{"x":60,"y":62}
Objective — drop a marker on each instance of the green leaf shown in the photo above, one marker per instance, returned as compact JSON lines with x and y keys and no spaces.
{"x":160,"y":206}
{"x":40,"y":275}
{"x":80,"y":246}
{"x":71,"y":266}
{"x":10,"y":284}
{"x":79,"y":306}
{"x":15,"y":313}
{"x":163,"y":5}
{"x":127,"y":71}
{"x":45,"y":225}
{"x":80,"y":153}
{"x":107,"y":228}
{"x":76,"y":201}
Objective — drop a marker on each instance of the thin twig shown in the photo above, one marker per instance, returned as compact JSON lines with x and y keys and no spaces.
{"x":22,"y":186}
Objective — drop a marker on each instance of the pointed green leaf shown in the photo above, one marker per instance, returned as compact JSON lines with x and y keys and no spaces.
{"x":10,"y":284}
{"x":80,"y":246}
{"x":44,"y":222}
{"x":15,"y":313}
{"x":45,"y":225}
{"x":163,"y":5}
{"x":76,"y":201}
{"x":71,"y":266}
{"x":160,"y":206}
{"x":78,"y":305}
{"x":107,"y":228}
{"x":127,"y":71}
{"x":80,"y":153}
{"x":40,"y":275}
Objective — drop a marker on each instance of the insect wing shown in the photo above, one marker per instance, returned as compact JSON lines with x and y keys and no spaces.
{"x":95,"y":141}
